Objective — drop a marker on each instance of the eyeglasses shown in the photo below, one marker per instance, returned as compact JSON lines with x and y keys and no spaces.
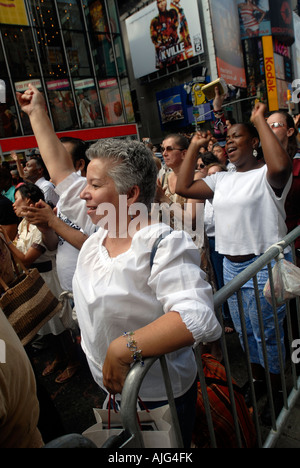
{"x":170,"y":148}
{"x":200,"y":166}
{"x":276,"y":124}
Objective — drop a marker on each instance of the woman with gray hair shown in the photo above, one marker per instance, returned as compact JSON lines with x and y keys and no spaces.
{"x":128,"y":310}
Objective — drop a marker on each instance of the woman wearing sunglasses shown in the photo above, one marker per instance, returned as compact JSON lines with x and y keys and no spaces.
{"x":284,"y":128}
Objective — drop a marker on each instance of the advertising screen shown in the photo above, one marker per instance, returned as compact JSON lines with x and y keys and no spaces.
{"x":229,"y":54}
{"x":162,"y":34}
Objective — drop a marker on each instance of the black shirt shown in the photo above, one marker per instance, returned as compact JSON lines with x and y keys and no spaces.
{"x":7,"y":214}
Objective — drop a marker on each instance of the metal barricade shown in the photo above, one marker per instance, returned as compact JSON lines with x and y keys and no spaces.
{"x":291,"y":392}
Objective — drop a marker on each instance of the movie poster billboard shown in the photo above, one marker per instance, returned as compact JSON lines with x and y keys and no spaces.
{"x":228,"y":45}
{"x":162,"y":34}
{"x":254,"y":18}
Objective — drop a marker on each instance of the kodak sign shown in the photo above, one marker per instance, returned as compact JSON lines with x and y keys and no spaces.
{"x":270,"y":73}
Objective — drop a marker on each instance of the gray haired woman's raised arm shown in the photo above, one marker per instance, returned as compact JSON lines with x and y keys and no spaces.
{"x":58,"y":161}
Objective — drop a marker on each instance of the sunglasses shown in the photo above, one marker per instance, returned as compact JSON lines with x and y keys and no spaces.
{"x":200,"y":166}
{"x":276,"y":125}
{"x":170,"y":148}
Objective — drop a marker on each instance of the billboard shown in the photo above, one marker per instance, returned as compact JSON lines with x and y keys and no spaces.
{"x":228,"y":45}
{"x":13,"y":12}
{"x":162,"y":34}
{"x":270,"y":72}
{"x":254,"y":18}
{"x":171,"y":109}
{"x":282,"y":24}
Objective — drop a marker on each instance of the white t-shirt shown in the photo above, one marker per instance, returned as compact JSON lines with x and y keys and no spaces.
{"x":249,"y":217}
{"x":71,"y":205}
{"x":70,"y":202}
{"x":48,"y":189}
{"x":116,"y":295}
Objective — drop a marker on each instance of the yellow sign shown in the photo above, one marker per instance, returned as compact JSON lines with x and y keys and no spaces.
{"x":198,"y":97}
{"x":13,"y":12}
{"x":270,"y":74}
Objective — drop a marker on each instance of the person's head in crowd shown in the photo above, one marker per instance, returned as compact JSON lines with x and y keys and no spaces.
{"x":203,"y":161}
{"x":26,"y":194}
{"x":209,"y":158}
{"x":77,"y":149}
{"x":283,"y":125}
{"x":229,"y":122}
{"x":16,"y":179}
{"x":5,"y":164}
{"x":243,"y":144}
{"x":201,"y":167}
{"x":35,"y":169}
{"x":211,"y":143}
{"x":220,"y":152}
{"x":215,"y":167}
{"x":6,"y":180}
{"x":174,"y":148}
{"x":119,"y":167}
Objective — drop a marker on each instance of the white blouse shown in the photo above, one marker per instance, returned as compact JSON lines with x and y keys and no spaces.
{"x":116,"y":295}
{"x":249,"y":217}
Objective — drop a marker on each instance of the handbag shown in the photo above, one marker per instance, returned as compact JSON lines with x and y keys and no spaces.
{"x":156,"y":428}
{"x":27,"y":301}
{"x":286,"y":280}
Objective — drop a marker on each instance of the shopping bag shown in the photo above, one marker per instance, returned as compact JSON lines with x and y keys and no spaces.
{"x":156,"y":426}
{"x":286,"y":279}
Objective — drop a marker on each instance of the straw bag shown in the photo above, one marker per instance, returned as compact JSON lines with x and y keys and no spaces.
{"x":27,"y":302}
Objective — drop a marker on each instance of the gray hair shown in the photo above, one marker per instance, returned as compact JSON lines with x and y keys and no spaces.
{"x":131,"y":164}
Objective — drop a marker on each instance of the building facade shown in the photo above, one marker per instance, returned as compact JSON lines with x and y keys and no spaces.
{"x":231,"y":48}
{"x":72,"y":52}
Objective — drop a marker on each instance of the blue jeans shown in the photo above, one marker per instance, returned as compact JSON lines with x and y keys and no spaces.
{"x":231,"y":270}
{"x":217,"y":264}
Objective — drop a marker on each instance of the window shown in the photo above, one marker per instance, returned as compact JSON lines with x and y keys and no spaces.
{"x":88,"y":104}
{"x":70,"y":14}
{"x":62,"y":105}
{"x":43,"y":14}
{"x":20,"y":52}
{"x":9,"y":124}
{"x":53,"y":61}
{"x":77,"y":53}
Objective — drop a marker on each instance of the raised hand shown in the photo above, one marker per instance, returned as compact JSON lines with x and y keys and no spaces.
{"x":201,"y":139}
{"x":31,"y":100}
{"x":218,"y":100}
{"x":258,"y":112}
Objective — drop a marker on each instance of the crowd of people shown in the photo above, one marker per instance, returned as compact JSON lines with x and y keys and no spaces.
{"x":84,"y":217}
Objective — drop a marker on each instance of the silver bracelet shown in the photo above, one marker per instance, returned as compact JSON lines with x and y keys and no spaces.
{"x":132,"y":346}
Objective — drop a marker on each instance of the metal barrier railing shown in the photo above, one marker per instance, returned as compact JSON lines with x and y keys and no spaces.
{"x":137,"y":373}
